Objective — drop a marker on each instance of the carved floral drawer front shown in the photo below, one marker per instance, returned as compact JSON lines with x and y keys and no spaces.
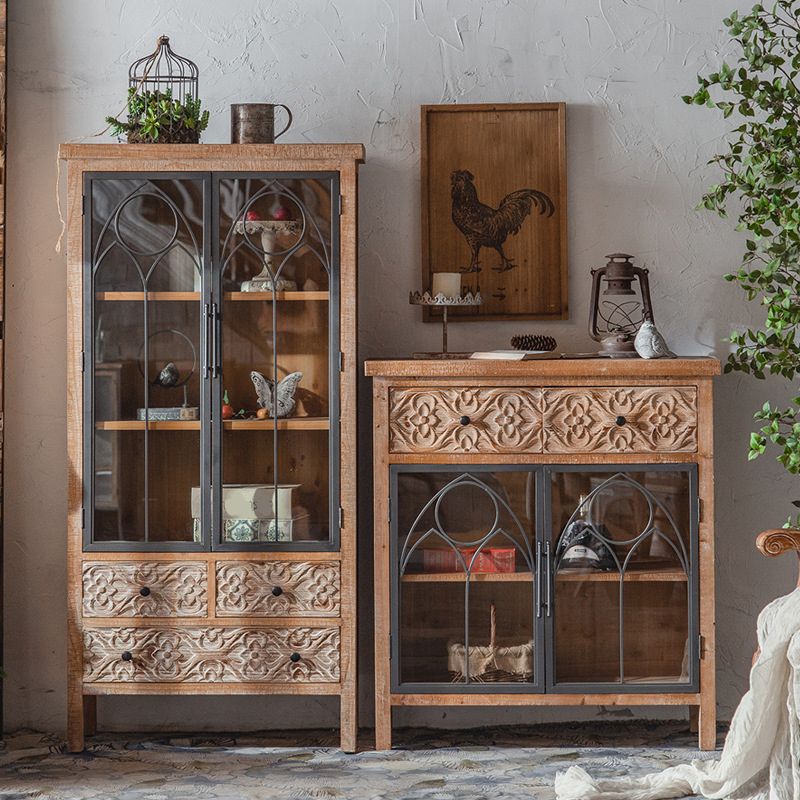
{"x":278,"y":589}
{"x":211,"y":655}
{"x":145,"y":589}
{"x":464,"y":420}
{"x":620,"y":420}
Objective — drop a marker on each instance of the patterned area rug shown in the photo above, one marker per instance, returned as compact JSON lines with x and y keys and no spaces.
{"x":496,"y":763}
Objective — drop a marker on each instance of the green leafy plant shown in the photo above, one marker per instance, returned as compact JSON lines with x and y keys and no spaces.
{"x":761,"y":169}
{"x":158,"y":117}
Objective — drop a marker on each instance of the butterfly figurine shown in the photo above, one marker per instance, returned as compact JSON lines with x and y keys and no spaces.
{"x":285,"y":403}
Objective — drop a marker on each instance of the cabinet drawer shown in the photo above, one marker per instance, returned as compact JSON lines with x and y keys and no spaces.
{"x":145,"y":589}
{"x":620,"y":420}
{"x":211,"y":655}
{"x":278,"y":589}
{"x":465,"y":420}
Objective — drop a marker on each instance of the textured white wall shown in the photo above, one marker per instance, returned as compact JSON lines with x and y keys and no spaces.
{"x":357,"y":70}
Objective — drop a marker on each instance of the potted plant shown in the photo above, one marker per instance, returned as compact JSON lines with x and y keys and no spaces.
{"x":761,"y":169}
{"x":159,"y":117}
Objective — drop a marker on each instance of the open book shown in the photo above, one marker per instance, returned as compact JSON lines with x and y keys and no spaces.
{"x":515,"y":355}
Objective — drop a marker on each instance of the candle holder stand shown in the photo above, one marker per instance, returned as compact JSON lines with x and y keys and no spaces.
{"x":426,"y":299}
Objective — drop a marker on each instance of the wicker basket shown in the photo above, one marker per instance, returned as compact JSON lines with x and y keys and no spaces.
{"x":491,"y":664}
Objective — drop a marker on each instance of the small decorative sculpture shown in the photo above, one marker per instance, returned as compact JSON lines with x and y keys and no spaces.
{"x":279,"y":402}
{"x":169,"y":376}
{"x":274,"y":254}
{"x":649,"y":343}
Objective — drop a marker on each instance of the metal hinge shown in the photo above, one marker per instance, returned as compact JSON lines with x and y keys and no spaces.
{"x":341,"y":518}
{"x":83,"y":205}
{"x":83,"y":518}
{"x":390,"y":647}
{"x":341,"y":204}
{"x":2,"y":329}
{"x":699,"y":509}
{"x":83,"y":361}
{"x":389,"y":509}
{"x":701,"y":646}
{"x":341,"y":361}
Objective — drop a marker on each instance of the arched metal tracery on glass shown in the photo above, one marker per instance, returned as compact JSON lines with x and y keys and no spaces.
{"x":278,"y":240}
{"x":619,"y":553}
{"x":430,"y":527}
{"x":146,"y":238}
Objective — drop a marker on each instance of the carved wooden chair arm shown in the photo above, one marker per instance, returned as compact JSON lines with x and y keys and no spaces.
{"x":777,"y":541}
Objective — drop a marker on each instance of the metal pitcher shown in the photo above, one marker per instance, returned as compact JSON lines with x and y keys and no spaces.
{"x":254,"y":123}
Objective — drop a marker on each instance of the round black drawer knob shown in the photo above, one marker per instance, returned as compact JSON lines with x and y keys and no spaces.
{"x":144,"y":591}
{"x":464,"y":420}
{"x":127,"y":656}
{"x":620,"y":421}
{"x":277,"y":591}
{"x":294,"y":657}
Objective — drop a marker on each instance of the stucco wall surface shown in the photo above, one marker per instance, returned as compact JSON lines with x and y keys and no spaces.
{"x":357,"y":70}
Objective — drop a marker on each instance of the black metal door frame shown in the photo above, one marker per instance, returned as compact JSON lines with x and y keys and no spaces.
{"x":535,"y":686}
{"x":334,"y":436}
{"x":212,"y":369}
{"x":88,"y":360}
{"x":611,"y":687}
{"x":544,"y":588}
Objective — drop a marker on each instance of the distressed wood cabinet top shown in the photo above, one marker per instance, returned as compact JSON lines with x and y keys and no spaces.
{"x":699,"y":367}
{"x":211,"y":152}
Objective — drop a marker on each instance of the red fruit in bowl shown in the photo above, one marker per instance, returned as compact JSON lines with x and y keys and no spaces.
{"x":252,"y":216}
{"x":227,"y":408}
{"x":281,"y":213}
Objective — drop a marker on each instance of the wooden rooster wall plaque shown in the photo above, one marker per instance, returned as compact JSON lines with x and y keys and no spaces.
{"x":494,"y":206}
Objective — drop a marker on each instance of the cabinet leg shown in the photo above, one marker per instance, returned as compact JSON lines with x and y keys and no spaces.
{"x":707,"y":723}
{"x":383,"y":723}
{"x":694,"y":719}
{"x":75,"y":720}
{"x":89,"y":715}
{"x":348,"y":722}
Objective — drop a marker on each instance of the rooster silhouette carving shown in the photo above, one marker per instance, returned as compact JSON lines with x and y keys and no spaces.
{"x":484,"y":226}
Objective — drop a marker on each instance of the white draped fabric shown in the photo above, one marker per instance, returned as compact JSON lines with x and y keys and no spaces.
{"x":761,"y":757}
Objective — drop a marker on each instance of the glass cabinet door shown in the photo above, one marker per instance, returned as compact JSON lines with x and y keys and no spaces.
{"x":276,"y":370}
{"x":145,"y":396}
{"x":622,"y":556}
{"x":466,"y":606}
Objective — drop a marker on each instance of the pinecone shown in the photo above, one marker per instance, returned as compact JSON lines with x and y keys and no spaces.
{"x":532,"y":341}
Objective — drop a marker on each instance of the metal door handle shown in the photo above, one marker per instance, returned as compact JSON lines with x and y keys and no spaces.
{"x":538,"y":580}
{"x":549,"y":578}
{"x":215,"y":319}
{"x":209,"y":340}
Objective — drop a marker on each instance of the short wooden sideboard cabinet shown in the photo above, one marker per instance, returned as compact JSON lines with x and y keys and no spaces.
{"x":544,"y":535}
{"x":211,"y":360}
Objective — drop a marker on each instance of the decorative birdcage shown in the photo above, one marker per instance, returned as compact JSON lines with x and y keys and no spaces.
{"x":163,"y":105}
{"x":165,"y":72}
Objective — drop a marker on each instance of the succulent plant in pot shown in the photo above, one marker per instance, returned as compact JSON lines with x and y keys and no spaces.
{"x":761,"y":170}
{"x":159,"y":117}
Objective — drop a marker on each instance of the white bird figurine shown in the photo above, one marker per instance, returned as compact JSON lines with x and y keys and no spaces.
{"x":285,"y":403}
{"x":649,"y":343}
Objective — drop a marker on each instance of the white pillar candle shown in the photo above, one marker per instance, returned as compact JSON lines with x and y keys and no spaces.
{"x":446,"y":283}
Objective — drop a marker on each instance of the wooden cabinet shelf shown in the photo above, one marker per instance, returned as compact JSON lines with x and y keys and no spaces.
{"x":139,"y":296}
{"x":268,"y":296}
{"x":633,"y":576}
{"x":288,"y":424}
{"x":459,"y":577}
{"x":228,"y":296}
